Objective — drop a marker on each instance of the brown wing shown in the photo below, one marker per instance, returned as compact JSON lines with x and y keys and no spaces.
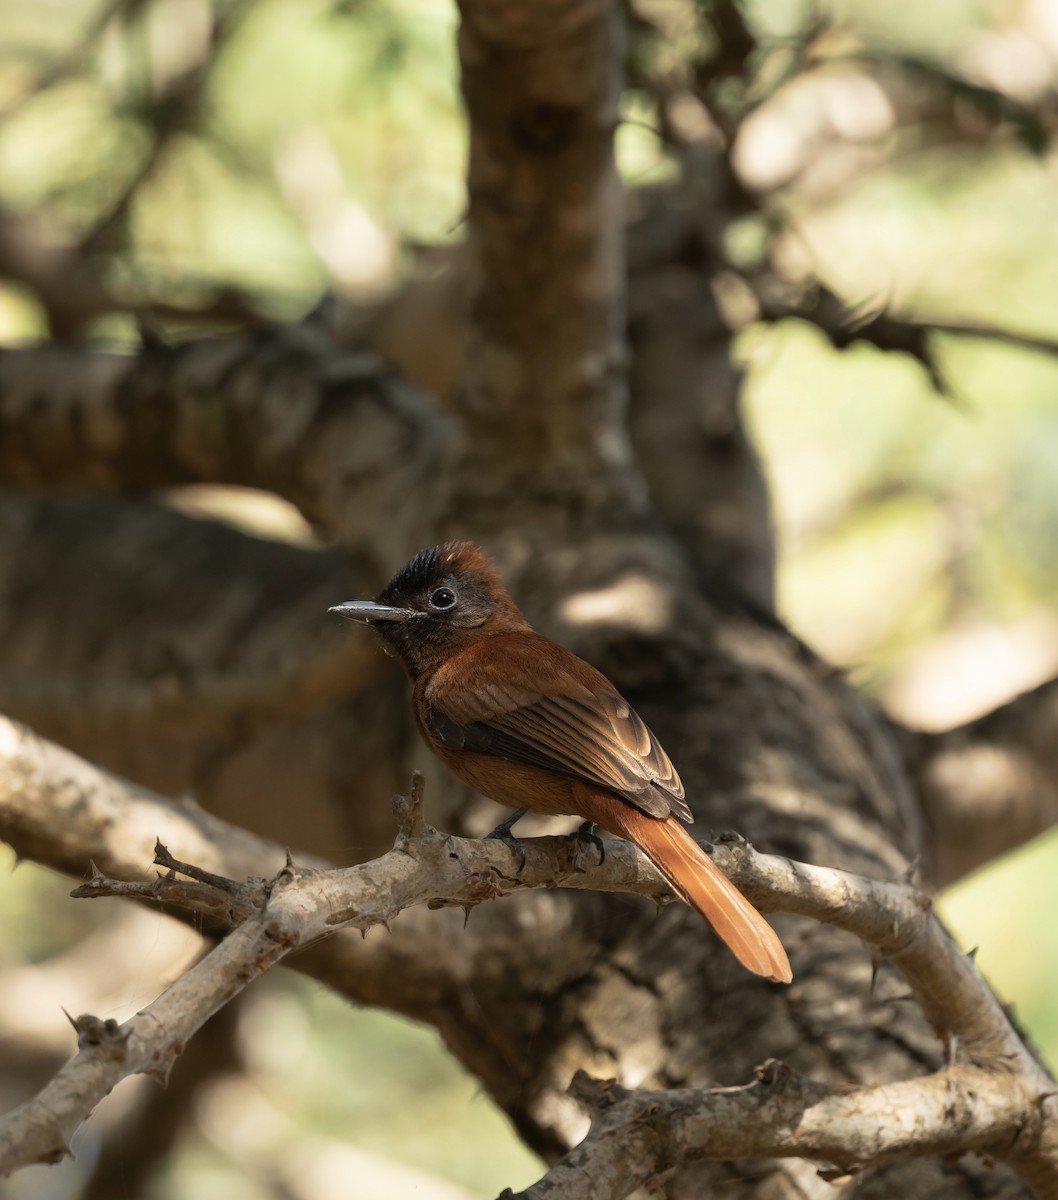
{"x":582,"y":728}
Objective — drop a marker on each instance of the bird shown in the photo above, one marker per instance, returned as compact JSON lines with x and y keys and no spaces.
{"x":527,"y":723}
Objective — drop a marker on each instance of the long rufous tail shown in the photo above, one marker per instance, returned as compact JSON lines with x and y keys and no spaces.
{"x":699,"y":881}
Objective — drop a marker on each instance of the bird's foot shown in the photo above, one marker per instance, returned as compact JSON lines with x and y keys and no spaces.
{"x":502,"y":833}
{"x":586,"y":833}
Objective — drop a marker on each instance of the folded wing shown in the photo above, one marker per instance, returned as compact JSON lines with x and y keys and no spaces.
{"x":582,"y":729}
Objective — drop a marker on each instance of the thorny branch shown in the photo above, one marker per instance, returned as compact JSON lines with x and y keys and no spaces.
{"x":904,"y":333}
{"x":994,"y":1094}
{"x":636,"y":1136}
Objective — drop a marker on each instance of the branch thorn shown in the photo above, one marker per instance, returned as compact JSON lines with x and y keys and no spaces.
{"x":411,"y":825}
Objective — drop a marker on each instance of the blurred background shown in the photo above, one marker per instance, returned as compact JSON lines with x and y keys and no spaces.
{"x":221,"y":165}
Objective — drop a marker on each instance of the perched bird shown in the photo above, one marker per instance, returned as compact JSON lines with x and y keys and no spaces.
{"x":529,"y":724}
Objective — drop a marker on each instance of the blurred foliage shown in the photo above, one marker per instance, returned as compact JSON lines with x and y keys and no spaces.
{"x":24,"y":895}
{"x":319,"y":1073}
{"x":870,"y":472}
{"x":196,"y":147}
{"x":229,"y":162}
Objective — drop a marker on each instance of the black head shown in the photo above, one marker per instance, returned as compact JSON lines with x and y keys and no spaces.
{"x":439,"y":602}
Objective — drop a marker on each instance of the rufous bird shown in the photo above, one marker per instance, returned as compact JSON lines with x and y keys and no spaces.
{"x":527,"y":723}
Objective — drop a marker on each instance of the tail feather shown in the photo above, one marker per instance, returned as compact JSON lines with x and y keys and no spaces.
{"x":700,"y":882}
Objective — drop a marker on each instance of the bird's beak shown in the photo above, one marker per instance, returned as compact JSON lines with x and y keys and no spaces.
{"x":368,"y":610}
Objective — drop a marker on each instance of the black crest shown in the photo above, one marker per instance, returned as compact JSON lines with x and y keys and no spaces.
{"x":437,"y":565}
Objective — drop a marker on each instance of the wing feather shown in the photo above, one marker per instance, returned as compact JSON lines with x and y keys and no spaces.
{"x":582,"y":728}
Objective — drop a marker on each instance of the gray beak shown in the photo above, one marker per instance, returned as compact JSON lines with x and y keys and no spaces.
{"x":368,"y":610}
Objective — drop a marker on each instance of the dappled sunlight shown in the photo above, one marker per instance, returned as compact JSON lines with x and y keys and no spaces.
{"x":633,"y":601}
{"x":970,"y":669}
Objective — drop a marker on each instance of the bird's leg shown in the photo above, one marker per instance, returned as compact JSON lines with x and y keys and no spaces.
{"x":502,"y":833}
{"x":586,"y":833}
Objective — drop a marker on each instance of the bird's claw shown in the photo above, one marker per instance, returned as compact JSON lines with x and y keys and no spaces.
{"x":586,"y":833}
{"x":502,"y":833}
{"x":509,"y":839}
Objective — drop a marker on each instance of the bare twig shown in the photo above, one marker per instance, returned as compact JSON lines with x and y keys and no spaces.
{"x":911,"y":334}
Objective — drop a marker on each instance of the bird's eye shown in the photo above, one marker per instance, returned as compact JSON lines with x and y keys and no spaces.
{"x":442,"y":598}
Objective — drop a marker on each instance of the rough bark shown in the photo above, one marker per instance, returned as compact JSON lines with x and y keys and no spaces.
{"x":347,"y":442}
{"x":542,"y":174}
{"x":198,"y":659}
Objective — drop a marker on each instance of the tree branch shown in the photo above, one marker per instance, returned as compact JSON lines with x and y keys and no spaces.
{"x":122,"y":638}
{"x":62,"y":811}
{"x":293,"y":910}
{"x":333,"y":432}
{"x":990,"y":785}
{"x":686,"y":423}
{"x":433,"y":868}
{"x":907,"y":334}
{"x":637,"y":1135}
{"x":897,"y":919}
{"x":545,"y":358}
{"x":164,"y":644}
